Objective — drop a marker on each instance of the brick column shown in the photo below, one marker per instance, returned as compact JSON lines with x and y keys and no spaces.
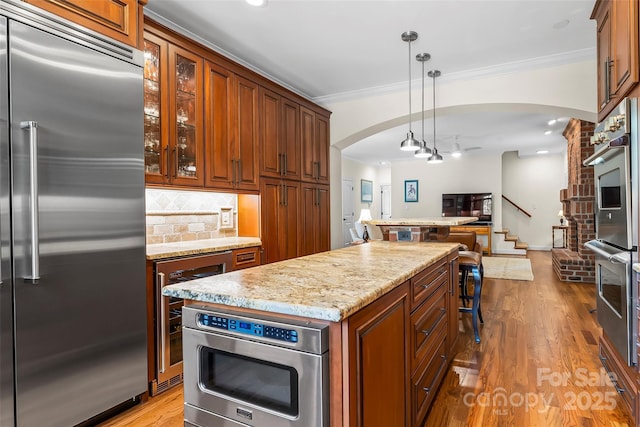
{"x":575,"y":263}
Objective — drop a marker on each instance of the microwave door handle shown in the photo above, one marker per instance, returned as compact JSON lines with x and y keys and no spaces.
{"x":162,"y":326}
{"x":32,"y":128}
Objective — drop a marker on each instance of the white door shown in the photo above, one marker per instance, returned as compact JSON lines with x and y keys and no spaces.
{"x":347,"y":210}
{"x":385,"y":201}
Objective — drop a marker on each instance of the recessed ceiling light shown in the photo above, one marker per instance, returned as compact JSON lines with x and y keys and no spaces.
{"x":552,"y":122}
{"x":257,"y":3}
{"x":542,"y":152}
{"x":548,"y":132}
{"x":456,"y":154}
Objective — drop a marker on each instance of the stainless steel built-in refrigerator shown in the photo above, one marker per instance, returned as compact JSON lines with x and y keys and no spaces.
{"x":72,"y":298}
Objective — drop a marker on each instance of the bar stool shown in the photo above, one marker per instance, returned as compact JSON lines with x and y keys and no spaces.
{"x":471,"y":262}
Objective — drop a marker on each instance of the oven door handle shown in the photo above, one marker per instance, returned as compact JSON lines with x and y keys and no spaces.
{"x":603,"y":153}
{"x":619,"y":258}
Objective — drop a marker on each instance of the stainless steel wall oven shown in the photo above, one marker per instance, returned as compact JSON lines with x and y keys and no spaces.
{"x":615,"y":163}
{"x":250,"y":370}
{"x":168,"y":312}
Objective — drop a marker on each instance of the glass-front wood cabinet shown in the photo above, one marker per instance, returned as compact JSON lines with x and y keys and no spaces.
{"x":173,"y":92}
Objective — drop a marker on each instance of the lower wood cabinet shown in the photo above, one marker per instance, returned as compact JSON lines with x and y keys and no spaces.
{"x":315,"y":218}
{"x":245,"y":258}
{"x":378,"y":362}
{"x":622,"y":376}
{"x":395,"y":351}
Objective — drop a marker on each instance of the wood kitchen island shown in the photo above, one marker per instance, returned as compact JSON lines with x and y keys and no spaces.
{"x":392,"y":311}
{"x":418,"y":229}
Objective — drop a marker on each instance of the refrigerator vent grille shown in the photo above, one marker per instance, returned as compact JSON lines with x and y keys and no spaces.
{"x":166,"y":385}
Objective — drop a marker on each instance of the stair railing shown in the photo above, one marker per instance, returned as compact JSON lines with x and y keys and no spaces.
{"x":516,"y":206}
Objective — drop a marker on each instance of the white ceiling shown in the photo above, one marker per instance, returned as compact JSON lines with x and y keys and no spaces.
{"x":324,"y":49}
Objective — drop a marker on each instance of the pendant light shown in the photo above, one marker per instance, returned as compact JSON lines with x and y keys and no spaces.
{"x":435,"y":157}
{"x":409,"y":143}
{"x":424,"y":151}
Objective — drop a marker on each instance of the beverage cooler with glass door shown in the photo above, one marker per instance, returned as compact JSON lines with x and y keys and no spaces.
{"x":166,"y":354}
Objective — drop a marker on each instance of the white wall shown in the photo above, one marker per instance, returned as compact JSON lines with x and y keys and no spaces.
{"x":356,"y":171}
{"x":478,"y":174}
{"x":534,"y":184}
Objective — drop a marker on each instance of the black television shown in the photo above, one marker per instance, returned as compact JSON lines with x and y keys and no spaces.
{"x":468,"y":204}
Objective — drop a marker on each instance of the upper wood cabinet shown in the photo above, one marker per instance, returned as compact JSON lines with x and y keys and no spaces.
{"x":280,"y":136}
{"x":231,"y":137}
{"x":618,"y":56}
{"x":315,"y":146}
{"x":118,"y":19}
{"x":173,"y":114}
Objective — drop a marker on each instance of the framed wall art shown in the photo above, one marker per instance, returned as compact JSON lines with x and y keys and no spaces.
{"x":411,"y":190}
{"x":366,"y":191}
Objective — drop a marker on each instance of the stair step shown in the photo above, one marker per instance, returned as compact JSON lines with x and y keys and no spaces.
{"x":508,"y":238}
{"x":504,"y":231}
{"x":521,"y":245}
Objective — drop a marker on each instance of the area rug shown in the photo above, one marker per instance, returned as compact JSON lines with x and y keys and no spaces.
{"x":507,"y":268}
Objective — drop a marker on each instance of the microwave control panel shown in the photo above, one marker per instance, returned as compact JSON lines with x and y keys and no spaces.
{"x":248,"y":328}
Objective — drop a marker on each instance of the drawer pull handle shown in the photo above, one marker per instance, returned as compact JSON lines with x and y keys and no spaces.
{"x":442,"y":365}
{"x":427,"y":332}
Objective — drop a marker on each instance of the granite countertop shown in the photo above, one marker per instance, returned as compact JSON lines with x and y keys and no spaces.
{"x":436,"y":221}
{"x":196,"y":247}
{"x":328,"y":285}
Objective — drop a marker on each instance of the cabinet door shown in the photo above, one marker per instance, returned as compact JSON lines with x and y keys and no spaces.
{"x":308,"y":217}
{"x":279,"y":219}
{"x":452,"y":302}
{"x":324,"y":219}
{"x":604,"y":56}
{"x":220,"y":162}
{"x":185,"y":126}
{"x":378,"y":362}
{"x":156,"y":102}
{"x":307,"y":143}
{"x":246,"y":139}
{"x":624,"y":46}
{"x":322,"y":148}
{"x":271,"y":205}
{"x":271,"y":157}
{"x":114,"y":18}
{"x":290,"y":140}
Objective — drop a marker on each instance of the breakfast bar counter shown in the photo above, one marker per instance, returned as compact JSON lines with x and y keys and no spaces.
{"x":418,"y":229}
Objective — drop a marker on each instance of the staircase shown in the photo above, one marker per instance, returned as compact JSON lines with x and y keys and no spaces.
{"x":520,"y":247}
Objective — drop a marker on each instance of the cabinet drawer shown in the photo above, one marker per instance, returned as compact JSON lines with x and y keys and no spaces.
{"x":245,"y":258}
{"x":427,"y":324}
{"x":622,"y":381}
{"x":428,"y":280}
{"x":424,"y":384}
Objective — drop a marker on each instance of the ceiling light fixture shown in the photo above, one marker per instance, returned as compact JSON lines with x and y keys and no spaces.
{"x":552,"y":122}
{"x":542,"y":152}
{"x":435,"y":157}
{"x":424,"y":151}
{"x":409,"y":143}
{"x":548,"y":132}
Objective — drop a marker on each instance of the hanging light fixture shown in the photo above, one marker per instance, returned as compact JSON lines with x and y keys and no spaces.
{"x":424,"y":151}
{"x":457,"y":151}
{"x":435,"y":157}
{"x":409,"y":143}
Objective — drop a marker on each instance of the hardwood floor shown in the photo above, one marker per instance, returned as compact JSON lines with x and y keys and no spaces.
{"x":537,"y":364}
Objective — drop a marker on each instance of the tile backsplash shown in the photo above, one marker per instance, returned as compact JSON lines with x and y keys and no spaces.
{"x":176,"y":216}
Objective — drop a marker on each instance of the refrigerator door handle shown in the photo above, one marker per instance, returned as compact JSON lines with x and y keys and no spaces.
{"x":32,"y":128}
